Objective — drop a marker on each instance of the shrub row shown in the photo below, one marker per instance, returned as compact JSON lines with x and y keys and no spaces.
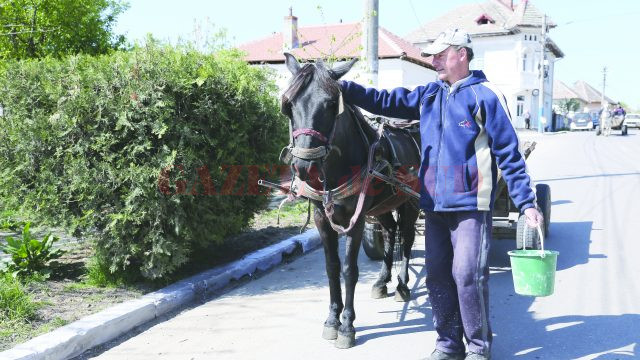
{"x":86,"y":141}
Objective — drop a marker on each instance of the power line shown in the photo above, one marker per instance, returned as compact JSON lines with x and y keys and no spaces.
{"x":415,"y":13}
{"x":594,"y":19}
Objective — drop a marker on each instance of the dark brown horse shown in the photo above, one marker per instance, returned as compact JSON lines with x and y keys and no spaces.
{"x":331,"y":150}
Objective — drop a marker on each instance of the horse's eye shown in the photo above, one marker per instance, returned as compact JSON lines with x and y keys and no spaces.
{"x":286,"y":109}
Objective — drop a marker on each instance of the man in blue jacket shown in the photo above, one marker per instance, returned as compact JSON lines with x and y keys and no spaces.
{"x":467,"y":135}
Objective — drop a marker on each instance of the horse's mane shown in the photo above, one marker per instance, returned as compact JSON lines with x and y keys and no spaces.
{"x":305,"y":76}
{"x":328,"y":84}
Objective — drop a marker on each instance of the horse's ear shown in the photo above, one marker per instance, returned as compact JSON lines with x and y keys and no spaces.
{"x":292,"y":63}
{"x":339,"y":71}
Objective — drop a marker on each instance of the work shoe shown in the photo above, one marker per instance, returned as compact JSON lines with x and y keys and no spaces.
{"x":441,"y":355}
{"x":473,"y":356}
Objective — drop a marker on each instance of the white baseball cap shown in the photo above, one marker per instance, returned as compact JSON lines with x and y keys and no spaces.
{"x":449,"y":37}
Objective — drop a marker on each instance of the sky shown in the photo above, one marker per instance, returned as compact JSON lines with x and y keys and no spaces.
{"x":592,"y":34}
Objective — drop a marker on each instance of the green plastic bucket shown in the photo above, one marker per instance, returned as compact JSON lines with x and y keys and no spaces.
{"x":534,"y":271}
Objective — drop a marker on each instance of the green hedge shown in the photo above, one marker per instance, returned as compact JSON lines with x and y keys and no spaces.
{"x":85,"y":143}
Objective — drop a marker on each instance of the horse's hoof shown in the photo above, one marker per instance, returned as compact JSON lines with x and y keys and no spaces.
{"x":379,"y":292}
{"x":402,"y":294}
{"x":330,"y":333}
{"x":345,"y":341}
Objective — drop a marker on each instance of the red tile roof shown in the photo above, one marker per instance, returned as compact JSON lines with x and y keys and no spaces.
{"x":340,"y":40}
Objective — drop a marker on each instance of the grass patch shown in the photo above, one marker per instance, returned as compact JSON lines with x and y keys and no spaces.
{"x":34,"y":305}
{"x":51,"y":325}
{"x":17,"y":309}
{"x":98,"y":274}
{"x":15,"y":303}
{"x":291,"y":214}
{"x":77,"y":286}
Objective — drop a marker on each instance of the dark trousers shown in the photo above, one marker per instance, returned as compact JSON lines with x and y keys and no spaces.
{"x":457,"y":246}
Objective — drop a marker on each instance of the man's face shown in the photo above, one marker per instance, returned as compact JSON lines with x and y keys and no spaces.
{"x":450,"y":64}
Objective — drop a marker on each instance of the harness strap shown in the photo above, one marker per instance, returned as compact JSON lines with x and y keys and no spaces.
{"x":328,"y":201}
{"x":349,"y":188}
{"x":310,"y":154}
{"x":394,"y":154}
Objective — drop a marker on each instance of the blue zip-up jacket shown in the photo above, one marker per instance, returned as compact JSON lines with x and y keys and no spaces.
{"x":466,"y":134}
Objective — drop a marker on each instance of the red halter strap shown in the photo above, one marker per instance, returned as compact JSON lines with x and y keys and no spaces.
{"x":311,"y":132}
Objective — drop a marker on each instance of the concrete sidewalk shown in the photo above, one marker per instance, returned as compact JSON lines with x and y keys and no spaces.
{"x":281,"y":314}
{"x":79,"y":336}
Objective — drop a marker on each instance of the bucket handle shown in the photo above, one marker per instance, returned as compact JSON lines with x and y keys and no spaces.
{"x":541,"y":234}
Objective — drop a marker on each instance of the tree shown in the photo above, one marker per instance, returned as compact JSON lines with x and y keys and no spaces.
{"x":567,"y":105}
{"x":625,"y":106}
{"x":37,"y":28}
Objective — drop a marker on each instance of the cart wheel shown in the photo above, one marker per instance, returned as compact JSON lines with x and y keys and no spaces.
{"x":527,"y":235}
{"x":624,"y":129}
{"x":373,"y":241}
{"x":543,"y":198}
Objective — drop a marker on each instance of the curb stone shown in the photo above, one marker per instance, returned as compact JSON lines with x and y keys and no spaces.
{"x":75,"y":338}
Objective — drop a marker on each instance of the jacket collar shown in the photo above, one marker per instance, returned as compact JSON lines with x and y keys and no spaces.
{"x":475,"y":77}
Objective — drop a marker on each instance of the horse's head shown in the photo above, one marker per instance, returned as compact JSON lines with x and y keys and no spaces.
{"x":312,"y":103}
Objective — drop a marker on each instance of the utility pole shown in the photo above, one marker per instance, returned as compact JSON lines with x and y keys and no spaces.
{"x":604,"y":85}
{"x":370,"y":41}
{"x":542,"y":66}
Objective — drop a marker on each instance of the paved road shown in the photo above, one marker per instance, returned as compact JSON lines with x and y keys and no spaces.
{"x":594,"y":313}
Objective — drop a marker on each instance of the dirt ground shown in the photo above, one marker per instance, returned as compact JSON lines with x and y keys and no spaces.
{"x":66,"y":298}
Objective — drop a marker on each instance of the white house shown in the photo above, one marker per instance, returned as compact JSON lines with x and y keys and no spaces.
{"x":507,"y":46}
{"x":399,"y":62}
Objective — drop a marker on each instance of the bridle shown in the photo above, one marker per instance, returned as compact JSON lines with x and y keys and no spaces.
{"x":357,"y":184}
{"x":318,"y":153}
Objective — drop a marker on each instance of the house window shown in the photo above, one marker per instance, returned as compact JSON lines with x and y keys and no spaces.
{"x":524,"y":62}
{"x":526,"y":37}
{"x":519,"y":105}
{"x":484,"y":19}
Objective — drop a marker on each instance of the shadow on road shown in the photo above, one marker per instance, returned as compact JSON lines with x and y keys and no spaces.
{"x":519,"y":335}
{"x":419,"y":304}
{"x":587,"y":176}
{"x":572,"y":240}
{"x":561,"y":202}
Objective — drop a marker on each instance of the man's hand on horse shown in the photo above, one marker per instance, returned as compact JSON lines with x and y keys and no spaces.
{"x":534,"y":217}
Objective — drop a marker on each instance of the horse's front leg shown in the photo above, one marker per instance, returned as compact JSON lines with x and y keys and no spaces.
{"x":332,"y":264}
{"x":379,"y":289}
{"x":407,"y":220}
{"x":347,"y":332}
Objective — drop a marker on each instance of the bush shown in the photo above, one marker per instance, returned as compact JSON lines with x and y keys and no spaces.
{"x":30,"y":256}
{"x":10,"y":221}
{"x":113,"y":144}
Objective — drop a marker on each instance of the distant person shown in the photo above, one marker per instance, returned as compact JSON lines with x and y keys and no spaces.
{"x":619,"y":111}
{"x":605,"y":120}
{"x":527,"y":120}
